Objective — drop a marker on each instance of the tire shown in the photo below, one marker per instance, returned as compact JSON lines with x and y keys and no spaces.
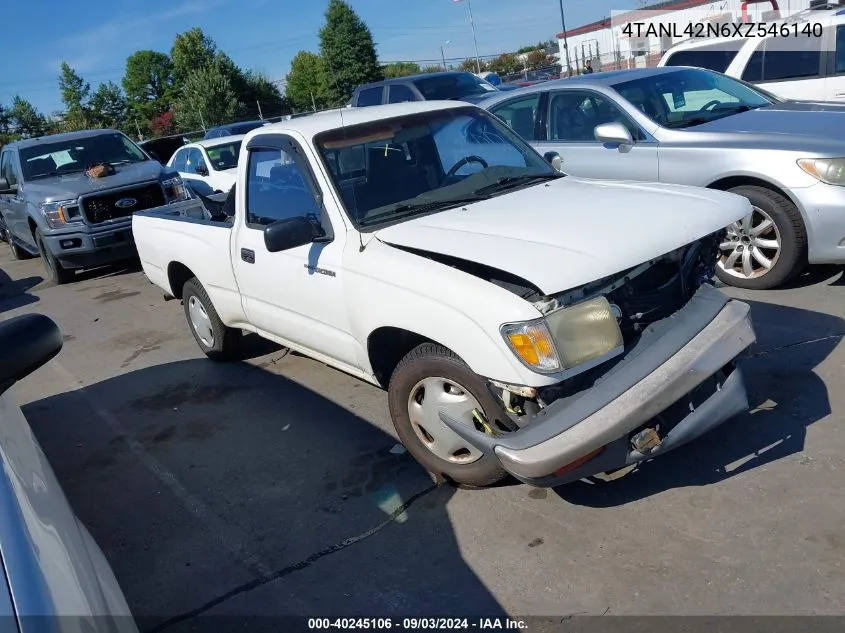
{"x":17,"y":252}
{"x":434,"y":363}
{"x":218,"y":342}
{"x":785,"y":262}
{"x":54,"y":269}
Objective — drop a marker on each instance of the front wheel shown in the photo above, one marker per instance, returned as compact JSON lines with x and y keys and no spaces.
{"x":430,"y":379}
{"x":57,"y":273}
{"x":217,"y":341}
{"x":767,"y":247}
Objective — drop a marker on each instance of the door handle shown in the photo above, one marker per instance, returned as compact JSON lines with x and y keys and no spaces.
{"x":839,"y":94}
{"x":248,"y":255}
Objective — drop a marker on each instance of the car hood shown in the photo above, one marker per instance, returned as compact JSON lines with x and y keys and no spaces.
{"x":71,"y":186}
{"x":564,"y":234}
{"x":823,"y":121}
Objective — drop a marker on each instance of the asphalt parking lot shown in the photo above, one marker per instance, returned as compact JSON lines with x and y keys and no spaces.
{"x":271,"y":486}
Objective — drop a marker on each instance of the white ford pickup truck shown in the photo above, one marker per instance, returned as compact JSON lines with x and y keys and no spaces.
{"x":522,"y":321}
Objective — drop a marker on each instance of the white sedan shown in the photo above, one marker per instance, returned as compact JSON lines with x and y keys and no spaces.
{"x":211,"y":165}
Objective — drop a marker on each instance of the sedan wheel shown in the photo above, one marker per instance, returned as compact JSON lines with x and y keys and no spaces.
{"x":751,"y":247}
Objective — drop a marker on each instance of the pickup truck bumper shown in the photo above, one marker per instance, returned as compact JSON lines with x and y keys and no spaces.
{"x":679,"y":381}
{"x":92,"y":245}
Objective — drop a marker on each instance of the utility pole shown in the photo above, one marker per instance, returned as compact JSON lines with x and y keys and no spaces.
{"x":260,"y":115}
{"x":474,"y":39}
{"x":565,"y":45}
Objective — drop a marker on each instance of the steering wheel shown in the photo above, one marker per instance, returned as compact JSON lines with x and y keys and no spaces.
{"x":709,"y":105}
{"x":465,"y":161}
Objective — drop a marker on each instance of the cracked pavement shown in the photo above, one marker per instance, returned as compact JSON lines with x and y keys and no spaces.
{"x":270,"y":487}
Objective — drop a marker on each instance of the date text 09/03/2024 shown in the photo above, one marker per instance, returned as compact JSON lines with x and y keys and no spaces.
{"x":415,"y":624}
{"x":697,"y":30}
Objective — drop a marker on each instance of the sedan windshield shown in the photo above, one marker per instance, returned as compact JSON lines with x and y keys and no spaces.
{"x":459,"y":86}
{"x":387,"y":171}
{"x":64,"y":157}
{"x":224,"y":156}
{"x":689,"y":97}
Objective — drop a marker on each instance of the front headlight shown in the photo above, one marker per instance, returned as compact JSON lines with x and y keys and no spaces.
{"x":174,"y":190}
{"x":61,"y":213}
{"x":828,"y":170}
{"x":571,"y":337}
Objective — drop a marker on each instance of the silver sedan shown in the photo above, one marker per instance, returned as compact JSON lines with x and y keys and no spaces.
{"x":695,"y":127}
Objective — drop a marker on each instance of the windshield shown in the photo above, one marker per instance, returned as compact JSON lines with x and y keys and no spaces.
{"x":445,"y":87}
{"x":64,"y":157}
{"x":387,"y":171}
{"x":224,"y":156}
{"x":689,"y":97}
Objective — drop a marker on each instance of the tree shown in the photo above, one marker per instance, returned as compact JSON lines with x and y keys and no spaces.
{"x":400,"y":69}
{"x":538,"y":59}
{"x":191,"y":50}
{"x":75,"y":91}
{"x":6,"y":135}
{"x":306,"y":82}
{"x":207,"y":99}
{"x":148,"y":83}
{"x":257,"y":88}
{"x":164,"y":124}
{"x":505,"y":64}
{"x":25,"y":119}
{"x":433,"y":69}
{"x":108,"y":107}
{"x":348,"y":52}
{"x":468,"y":65}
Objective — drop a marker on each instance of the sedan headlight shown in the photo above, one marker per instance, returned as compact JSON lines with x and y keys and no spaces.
{"x":61,"y":213}
{"x":828,"y":170}
{"x":174,"y":190}
{"x":581,"y":335}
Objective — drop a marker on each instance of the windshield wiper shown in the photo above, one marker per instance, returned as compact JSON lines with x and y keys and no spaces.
{"x":423,"y":207}
{"x":56,"y":173}
{"x":508,"y":182}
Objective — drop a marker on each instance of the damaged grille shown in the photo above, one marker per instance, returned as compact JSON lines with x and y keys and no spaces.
{"x":665,"y":287}
{"x":101,"y":208}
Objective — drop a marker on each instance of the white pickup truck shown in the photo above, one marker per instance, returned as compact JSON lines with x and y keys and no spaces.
{"x":522,"y":321}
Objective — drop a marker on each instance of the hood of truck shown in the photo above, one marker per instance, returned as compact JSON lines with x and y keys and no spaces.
{"x":569,"y":232}
{"x":71,"y":186}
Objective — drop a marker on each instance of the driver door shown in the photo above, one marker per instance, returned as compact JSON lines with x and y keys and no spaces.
{"x":571,"y":117}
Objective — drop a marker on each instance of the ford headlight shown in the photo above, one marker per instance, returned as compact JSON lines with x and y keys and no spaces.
{"x":582,"y":336}
{"x":174,"y":190}
{"x":828,"y":170}
{"x":61,"y":213}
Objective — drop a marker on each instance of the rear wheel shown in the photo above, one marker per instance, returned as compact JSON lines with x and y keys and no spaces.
{"x":17,"y":251}
{"x":430,"y":379}
{"x":52,"y":266}
{"x":767,"y":247}
{"x":217,"y":341}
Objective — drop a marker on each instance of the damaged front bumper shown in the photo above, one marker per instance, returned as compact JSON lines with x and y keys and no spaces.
{"x":676,"y":383}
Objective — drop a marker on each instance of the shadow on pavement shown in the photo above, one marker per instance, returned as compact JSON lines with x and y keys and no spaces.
{"x":15,"y":293}
{"x":111,"y":270}
{"x":226,"y":490}
{"x":785,"y":397}
{"x":832,"y":274}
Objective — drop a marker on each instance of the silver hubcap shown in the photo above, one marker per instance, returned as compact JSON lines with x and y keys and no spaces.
{"x":200,"y":321}
{"x":751,"y":247}
{"x":428,"y":398}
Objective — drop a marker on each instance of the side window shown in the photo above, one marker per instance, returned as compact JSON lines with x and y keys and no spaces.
{"x":370,"y":97}
{"x":839,"y":64}
{"x":194,"y":160}
{"x":400,"y":93}
{"x":180,"y":161}
{"x":776,"y":61}
{"x":276,"y":188}
{"x":715,"y":57}
{"x":520,"y":115}
{"x":754,"y":68}
{"x":7,"y":168}
{"x":574,"y":115}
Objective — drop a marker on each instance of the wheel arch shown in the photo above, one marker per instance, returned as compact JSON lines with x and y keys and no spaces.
{"x":729,"y":182}
{"x":388,"y":345}
{"x":177,"y":274}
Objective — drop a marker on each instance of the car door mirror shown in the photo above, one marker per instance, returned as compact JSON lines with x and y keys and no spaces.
{"x":201,"y":170}
{"x":554,"y":159}
{"x":613,"y":134}
{"x":5,"y":187}
{"x":26,"y":343}
{"x":289,"y":233}
{"x":155,"y":156}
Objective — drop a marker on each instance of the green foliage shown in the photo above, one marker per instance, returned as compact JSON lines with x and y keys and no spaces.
{"x":108,"y":107}
{"x":348,"y":52}
{"x":258,"y":88}
{"x":468,"y":65}
{"x":207,"y":99}
{"x":433,"y":69}
{"x":505,"y":64}
{"x":400,"y":69}
{"x":191,"y":50}
{"x":538,"y":59}
{"x":306,"y":83}
{"x":75,"y":91}
{"x":25,"y":120}
{"x":148,"y":83}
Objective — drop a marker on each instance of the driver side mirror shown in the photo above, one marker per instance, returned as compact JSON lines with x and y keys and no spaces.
{"x":289,"y":233}
{"x":613,"y":134}
{"x":554,"y":159}
{"x":5,"y":188}
{"x":201,"y":170}
{"x":26,"y":343}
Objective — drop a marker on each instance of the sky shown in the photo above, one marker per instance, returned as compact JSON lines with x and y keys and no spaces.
{"x":95,"y":38}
